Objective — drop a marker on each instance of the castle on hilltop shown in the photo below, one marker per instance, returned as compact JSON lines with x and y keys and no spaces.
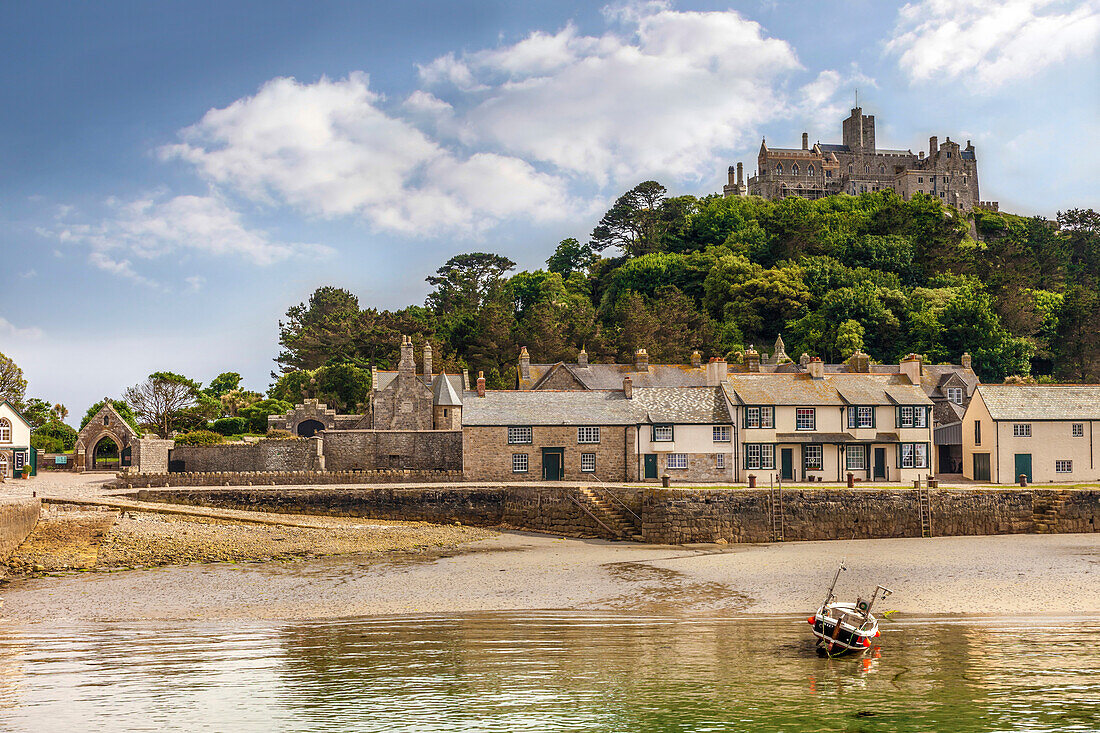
{"x":856,"y":166}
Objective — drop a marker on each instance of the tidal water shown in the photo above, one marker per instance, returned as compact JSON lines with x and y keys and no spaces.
{"x":548,"y":672}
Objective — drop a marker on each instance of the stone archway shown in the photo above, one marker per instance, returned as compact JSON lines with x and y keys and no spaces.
{"x":309,"y":428}
{"x":106,"y":423}
{"x":105,"y":454}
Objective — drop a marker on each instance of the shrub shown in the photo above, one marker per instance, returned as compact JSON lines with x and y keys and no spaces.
{"x":200,"y":437}
{"x":231,"y":426}
{"x":276,"y":434}
{"x":54,"y":433}
{"x":47,"y":444}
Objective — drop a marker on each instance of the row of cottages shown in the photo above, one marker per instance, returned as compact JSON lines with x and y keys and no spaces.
{"x":15,"y":440}
{"x":1045,"y":433}
{"x":794,"y":426}
{"x":949,"y":387}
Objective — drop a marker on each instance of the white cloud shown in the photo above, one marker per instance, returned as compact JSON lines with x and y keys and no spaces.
{"x":329,"y":149}
{"x":656,"y":95}
{"x":152,"y":227}
{"x":9,"y":329}
{"x":27,"y":275}
{"x":194,"y":283}
{"x":988,"y":43}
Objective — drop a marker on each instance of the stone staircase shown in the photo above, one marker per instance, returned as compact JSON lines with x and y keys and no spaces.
{"x":1045,"y":510}
{"x":611,"y":514}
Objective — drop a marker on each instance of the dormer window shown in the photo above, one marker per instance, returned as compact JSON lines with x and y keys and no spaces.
{"x":955,"y":394}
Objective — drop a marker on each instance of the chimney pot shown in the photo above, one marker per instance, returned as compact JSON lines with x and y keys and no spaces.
{"x":805,"y":141}
{"x":628,"y":388}
{"x":427,"y":359}
{"x":582,"y":358}
{"x":965,"y":360}
{"x":641,"y":360}
{"x":524,"y":363}
{"x":481,"y":384}
{"x":817,"y":368}
{"x":696,"y":358}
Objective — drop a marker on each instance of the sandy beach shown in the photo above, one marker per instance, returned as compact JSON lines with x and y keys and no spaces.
{"x":1017,"y":574}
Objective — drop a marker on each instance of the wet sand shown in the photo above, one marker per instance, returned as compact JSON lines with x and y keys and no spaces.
{"x":1000,"y":575}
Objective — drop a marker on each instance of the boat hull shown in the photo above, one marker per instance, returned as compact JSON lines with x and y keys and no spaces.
{"x":848,"y":638}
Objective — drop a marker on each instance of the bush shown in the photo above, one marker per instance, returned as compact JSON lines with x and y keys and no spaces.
{"x":200,"y":437}
{"x":54,"y":433}
{"x":276,"y":434}
{"x":257,"y":413}
{"x":231,"y":426}
{"x":47,"y":444}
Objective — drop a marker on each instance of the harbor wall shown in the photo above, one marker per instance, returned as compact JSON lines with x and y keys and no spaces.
{"x":18,"y":518}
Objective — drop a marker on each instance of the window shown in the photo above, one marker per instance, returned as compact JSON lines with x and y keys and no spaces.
{"x":977,"y":432}
{"x":812,"y":457}
{"x":20,"y":459}
{"x":519,"y":435}
{"x":856,"y":457}
{"x":588,"y":462}
{"x":955,"y":394}
{"x":519,"y":463}
{"x":752,"y":417}
{"x":906,"y":417}
{"x":662,"y":433}
{"x":721,"y":433}
{"x":106,"y":419}
{"x":920,"y":417}
{"x":444,"y":412}
{"x":861,"y":417}
{"x":779,"y":169}
{"x":759,"y":455}
{"x":920,"y":179}
{"x":794,"y":169}
{"x":881,"y":168}
{"x":1063,"y":467}
{"x":805,"y":418}
{"x":914,"y":455}
{"x":588,"y":435}
{"x":5,"y":430}
{"x":767,"y":417}
{"x":945,"y":179}
{"x":1021,"y":430}
{"x":1078,"y":430}
{"x":719,"y":460}
{"x":810,"y":170}
{"x":677,"y":460}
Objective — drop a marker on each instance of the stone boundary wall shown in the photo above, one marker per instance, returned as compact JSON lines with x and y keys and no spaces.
{"x":18,"y":518}
{"x":299,"y":454}
{"x":281,"y":478}
{"x":360,"y":450}
{"x":537,"y":508}
{"x":673,"y":516}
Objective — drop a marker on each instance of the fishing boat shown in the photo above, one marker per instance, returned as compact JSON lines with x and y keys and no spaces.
{"x":843,"y":628}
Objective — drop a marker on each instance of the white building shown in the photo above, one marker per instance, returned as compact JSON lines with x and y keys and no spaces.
{"x":15,"y":440}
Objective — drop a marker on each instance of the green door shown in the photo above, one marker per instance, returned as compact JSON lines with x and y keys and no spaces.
{"x":553,"y":460}
{"x":650,"y":461}
{"x":880,"y":462}
{"x":786,"y":462}
{"x":1023,"y":465}
{"x":981,"y":466}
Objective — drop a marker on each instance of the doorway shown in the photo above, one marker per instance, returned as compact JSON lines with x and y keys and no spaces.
{"x":309,"y":428}
{"x":1023,"y":466}
{"x":981,"y":466}
{"x":105,"y":455}
{"x":650,"y":465}
{"x":880,"y":463}
{"x":786,"y":463}
{"x":553,"y":464}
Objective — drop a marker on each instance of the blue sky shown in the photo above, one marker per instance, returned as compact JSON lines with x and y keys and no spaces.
{"x":176,"y":175}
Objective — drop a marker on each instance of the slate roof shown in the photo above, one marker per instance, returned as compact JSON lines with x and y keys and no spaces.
{"x":550,"y":407}
{"x":1042,"y":401}
{"x":444,"y":393}
{"x":832,"y":389}
{"x":833,"y":148}
{"x":383,"y":379}
{"x":935,"y":375}
{"x":683,"y":405}
{"x":610,"y":376}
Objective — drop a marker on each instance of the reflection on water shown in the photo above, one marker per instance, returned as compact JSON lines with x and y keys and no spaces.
{"x":560,"y":672}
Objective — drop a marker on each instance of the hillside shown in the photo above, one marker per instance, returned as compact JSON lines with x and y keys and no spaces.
{"x":677,"y":273}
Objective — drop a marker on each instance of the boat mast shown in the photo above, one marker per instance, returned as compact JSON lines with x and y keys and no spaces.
{"x":829,"y":597}
{"x":885,"y":592}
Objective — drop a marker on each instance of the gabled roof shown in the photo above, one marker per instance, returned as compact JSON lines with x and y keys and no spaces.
{"x":14,"y":409}
{"x":444,"y":393}
{"x":610,"y":376}
{"x":683,"y":405}
{"x":550,"y":407}
{"x":383,"y":380}
{"x":1042,"y":401}
{"x":832,"y":389}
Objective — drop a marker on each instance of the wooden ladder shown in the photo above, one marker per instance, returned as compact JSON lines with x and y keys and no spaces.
{"x":776,"y":501}
{"x":924,"y":506}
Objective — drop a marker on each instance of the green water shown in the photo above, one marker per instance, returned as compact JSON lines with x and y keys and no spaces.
{"x":548,"y":672}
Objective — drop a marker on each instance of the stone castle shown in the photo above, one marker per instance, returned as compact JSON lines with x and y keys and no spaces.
{"x":948,"y":171}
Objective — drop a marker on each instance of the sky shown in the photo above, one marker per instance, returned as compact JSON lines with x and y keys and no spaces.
{"x":175,"y":175}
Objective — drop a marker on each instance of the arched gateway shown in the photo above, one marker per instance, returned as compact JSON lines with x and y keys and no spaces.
{"x":105,"y":427}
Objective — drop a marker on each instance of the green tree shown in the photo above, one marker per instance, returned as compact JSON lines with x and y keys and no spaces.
{"x":634,"y":223}
{"x":465,"y":282}
{"x":1078,"y":344}
{"x":570,"y":256}
{"x":13,"y":386}
{"x":223,"y":383}
{"x":258,"y":412}
{"x":322,"y":329}
{"x":163,"y":400}
{"x":849,"y":338}
{"x":54,"y":437}
{"x":37,"y":412}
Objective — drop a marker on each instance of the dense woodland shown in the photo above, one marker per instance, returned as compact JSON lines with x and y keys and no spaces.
{"x":677,"y":273}
{"x":674,"y":274}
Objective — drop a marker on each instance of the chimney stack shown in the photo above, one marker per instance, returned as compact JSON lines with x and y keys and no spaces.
{"x":752,"y":359}
{"x":407,"y":364}
{"x":804,"y":360}
{"x":817,"y":368}
{"x":805,"y":141}
{"x":582,"y":358}
{"x":933,"y":145}
{"x":911,"y":367}
{"x":965,"y":360}
{"x":427,"y":360}
{"x":859,"y":362}
{"x":696,"y":358}
{"x":717,"y":370}
{"x":628,"y":388}
{"x":481,"y":384}
{"x":524,"y":364}
{"x":641,"y":360}
{"x":740,"y":174}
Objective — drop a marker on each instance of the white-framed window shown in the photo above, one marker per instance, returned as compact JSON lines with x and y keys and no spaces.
{"x":721,"y":433}
{"x":720,"y":460}
{"x":588,"y":462}
{"x":805,"y":418}
{"x":920,"y":417}
{"x":1078,"y":430}
{"x":812,"y":457}
{"x":906,"y":417}
{"x":5,"y":430}
{"x":662,"y":433}
{"x":856,"y":458}
{"x":759,"y":455}
{"x":519,"y":463}
{"x":1063,"y":467}
{"x":3,"y":466}
{"x":677,"y":460}
{"x":955,"y":394}
{"x":588,"y":435}
{"x":914,"y":455}
{"x":519,"y":435}
{"x":767,"y":417}
{"x":906,"y":455}
{"x":752,"y":417}
{"x":861,"y":417}
{"x":1021,"y":430}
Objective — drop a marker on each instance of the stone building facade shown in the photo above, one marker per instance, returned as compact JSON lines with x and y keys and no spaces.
{"x":949,"y":171}
{"x":405,"y":400}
